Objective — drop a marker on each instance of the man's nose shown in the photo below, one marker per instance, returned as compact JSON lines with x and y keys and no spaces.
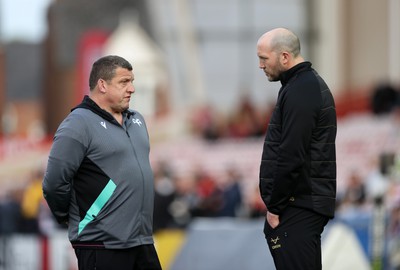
{"x":131,"y":89}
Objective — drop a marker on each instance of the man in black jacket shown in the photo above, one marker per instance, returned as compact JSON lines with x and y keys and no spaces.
{"x":298,"y":166}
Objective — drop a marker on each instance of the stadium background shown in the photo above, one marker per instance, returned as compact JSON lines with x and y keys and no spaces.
{"x":206,"y":104}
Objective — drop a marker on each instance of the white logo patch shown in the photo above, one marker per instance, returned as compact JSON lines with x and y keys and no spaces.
{"x":137,"y":121}
{"x":103,"y":124}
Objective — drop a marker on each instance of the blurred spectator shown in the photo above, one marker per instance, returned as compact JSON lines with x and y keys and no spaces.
{"x":185,"y":202}
{"x":394,"y":224}
{"x":31,"y":202}
{"x":208,"y":123}
{"x":257,"y":206}
{"x":355,"y":193}
{"x":231,"y":194}
{"x":394,"y":238}
{"x":384,"y":99}
{"x":47,"y":222}
{"x":210,"y":196}
{"x":376,"y":182}
{"x":10,"y":212}
{"x":247,"y":121}
{"x":164,"y":196}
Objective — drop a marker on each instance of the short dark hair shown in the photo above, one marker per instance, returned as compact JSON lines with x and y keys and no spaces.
{"x":104,"y":68}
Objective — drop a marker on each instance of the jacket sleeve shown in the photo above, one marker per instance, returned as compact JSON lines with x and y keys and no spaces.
{"x":66,"y":154}
{"x":299,"y":109}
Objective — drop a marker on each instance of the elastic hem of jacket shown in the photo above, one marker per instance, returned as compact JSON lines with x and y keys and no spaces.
{"x":87,"y":245}
{"x":324,"y":206}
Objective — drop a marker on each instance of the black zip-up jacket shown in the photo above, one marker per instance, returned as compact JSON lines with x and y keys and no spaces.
{"x":99,"y":178}
{"x":298,"y":166}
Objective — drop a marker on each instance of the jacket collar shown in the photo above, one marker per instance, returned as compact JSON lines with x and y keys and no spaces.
{"x":89,"y":104}
{"x":290,"y":73}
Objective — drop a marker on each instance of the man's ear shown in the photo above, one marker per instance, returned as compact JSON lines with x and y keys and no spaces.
{"x":285,"y":58}
{"x":102,"y":85}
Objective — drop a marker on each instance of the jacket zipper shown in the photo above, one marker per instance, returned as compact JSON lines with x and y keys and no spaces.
{"x":143,"y":181}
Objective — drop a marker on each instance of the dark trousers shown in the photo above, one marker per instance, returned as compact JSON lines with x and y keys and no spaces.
{"x":296,"y":242}
{"x":136,"y":258}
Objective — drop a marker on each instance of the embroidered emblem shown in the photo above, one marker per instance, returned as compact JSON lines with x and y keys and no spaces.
{"x":275,"y":240}
{"x":137,"y":121}
{"x":275,"y":243}
{"x":103,"y":124}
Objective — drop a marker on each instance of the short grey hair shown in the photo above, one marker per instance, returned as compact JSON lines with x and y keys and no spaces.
{"x":286,"y":41}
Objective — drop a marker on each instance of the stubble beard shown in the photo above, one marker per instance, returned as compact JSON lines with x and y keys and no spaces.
{"x":272,"y":78}
{"x":276,"y":76}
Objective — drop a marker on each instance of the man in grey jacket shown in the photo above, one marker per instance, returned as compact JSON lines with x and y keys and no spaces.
{"x":99,"y":180}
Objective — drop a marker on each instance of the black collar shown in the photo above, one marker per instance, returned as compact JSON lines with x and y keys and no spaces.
{"x":290,"y":73}
{"x":88,"y":103}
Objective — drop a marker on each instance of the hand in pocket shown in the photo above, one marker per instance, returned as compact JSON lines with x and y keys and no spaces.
{"x":273,"y":220}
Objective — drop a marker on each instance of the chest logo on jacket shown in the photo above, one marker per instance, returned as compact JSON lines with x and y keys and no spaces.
{"x":103,"y":124}
{"x":137,"y":121}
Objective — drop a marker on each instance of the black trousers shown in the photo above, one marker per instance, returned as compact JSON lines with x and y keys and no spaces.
{"x":136,"y":258}
{"x":296,"y":242}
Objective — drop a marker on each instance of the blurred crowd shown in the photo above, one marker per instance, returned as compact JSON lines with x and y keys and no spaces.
{"x":23,"y":209}
{"x":198,"y":192}
{"x":247,"y":120}
{"x":377,"y":187}
{"x":181,"y":198}
{"x":370,"y":204}
{"x":178,"y":200}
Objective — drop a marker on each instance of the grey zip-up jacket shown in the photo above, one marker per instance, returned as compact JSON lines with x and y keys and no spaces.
{"x":99,"y":178}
